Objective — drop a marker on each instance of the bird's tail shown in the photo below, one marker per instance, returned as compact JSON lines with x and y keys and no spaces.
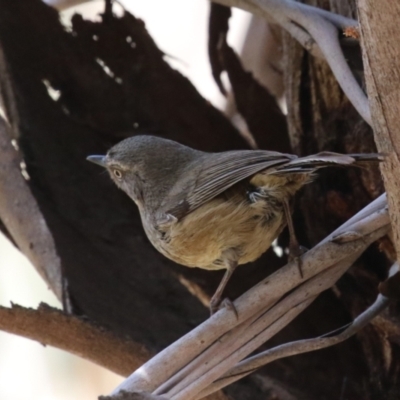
{"x":326,"y":159}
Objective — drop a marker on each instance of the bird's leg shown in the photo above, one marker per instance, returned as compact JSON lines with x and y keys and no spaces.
{"x":295,"y":250}
{"x":216,"y":299}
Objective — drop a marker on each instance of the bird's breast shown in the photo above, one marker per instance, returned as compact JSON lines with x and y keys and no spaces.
{"x":230,"y":224}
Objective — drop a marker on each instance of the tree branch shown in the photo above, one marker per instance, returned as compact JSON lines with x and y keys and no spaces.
{"x":317,"y":31}
{"x":50,"y":326}
{"x":53,"y":327}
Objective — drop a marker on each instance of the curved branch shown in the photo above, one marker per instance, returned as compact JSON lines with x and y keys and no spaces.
{"x":317,"y":31}
{"x":301,"y":35}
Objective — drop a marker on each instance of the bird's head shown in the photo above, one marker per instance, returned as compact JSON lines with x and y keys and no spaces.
{"x":144,"y":166}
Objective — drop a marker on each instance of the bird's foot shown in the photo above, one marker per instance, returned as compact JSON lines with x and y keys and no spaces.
{"x":256,"y":194}
{"x":227,"y":303}
{"x":295,"y":253}
{"x":217,"y":304}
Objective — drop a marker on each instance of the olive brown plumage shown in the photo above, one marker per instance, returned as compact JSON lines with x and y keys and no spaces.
{"x":213,"y":210}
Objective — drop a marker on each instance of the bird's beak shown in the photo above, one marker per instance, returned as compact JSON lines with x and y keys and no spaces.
{"x":99,"y":160}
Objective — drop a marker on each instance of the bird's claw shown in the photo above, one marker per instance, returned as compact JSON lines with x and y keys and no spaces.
{"x":295,"y":253}
{"x":217,"y":304}
{"x":227,"y":303}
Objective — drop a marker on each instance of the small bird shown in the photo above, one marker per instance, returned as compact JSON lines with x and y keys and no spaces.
{"x":213,"y":210}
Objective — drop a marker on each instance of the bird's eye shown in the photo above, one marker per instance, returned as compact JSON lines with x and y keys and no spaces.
{"x":117,"y":173}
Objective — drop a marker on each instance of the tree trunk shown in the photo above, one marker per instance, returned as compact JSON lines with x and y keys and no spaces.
{"x":381,"y":53}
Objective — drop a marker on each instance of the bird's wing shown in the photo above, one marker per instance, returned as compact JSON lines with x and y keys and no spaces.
{"x":323,"y":160}
{"x":216,"y":173}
